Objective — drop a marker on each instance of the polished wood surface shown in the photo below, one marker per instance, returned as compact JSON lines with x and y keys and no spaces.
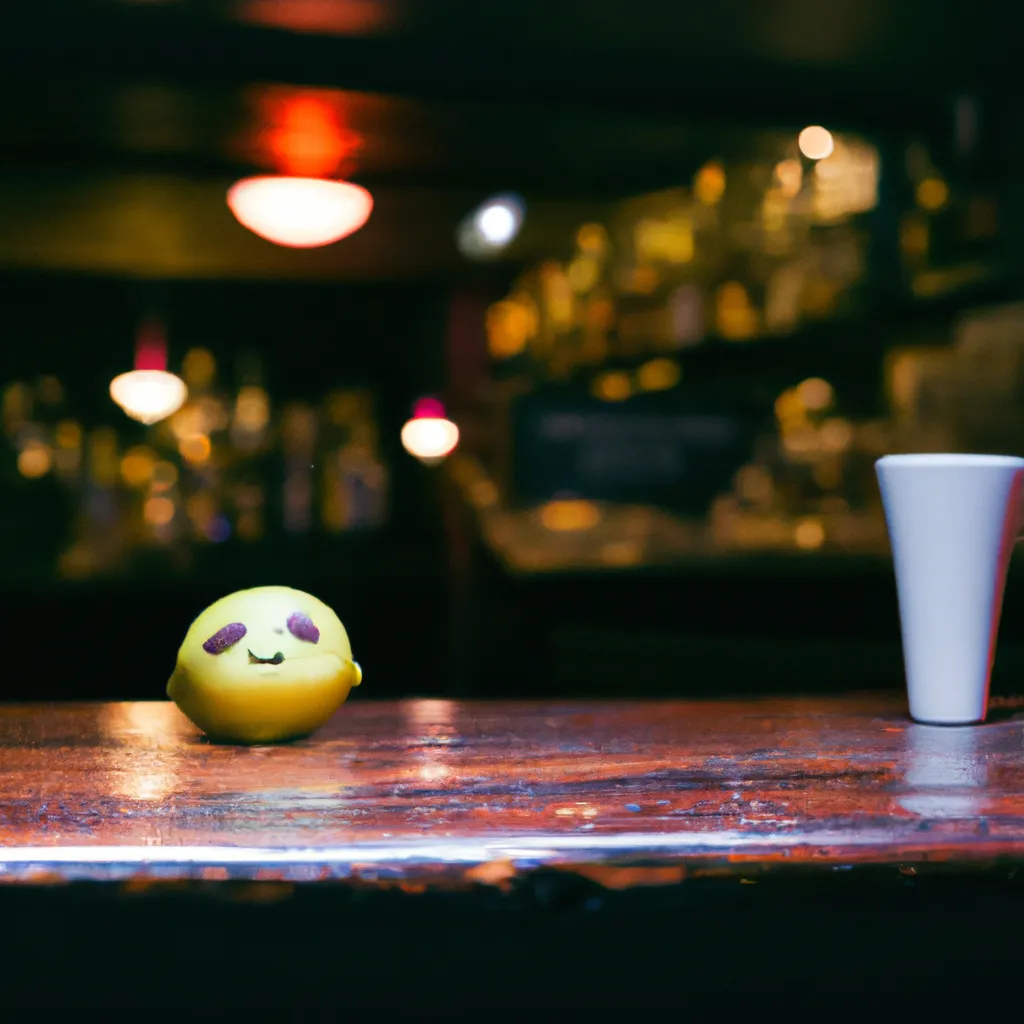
{"x":436,"y":793}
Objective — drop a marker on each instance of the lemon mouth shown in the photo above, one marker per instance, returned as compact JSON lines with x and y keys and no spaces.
{"x":275,"y":660}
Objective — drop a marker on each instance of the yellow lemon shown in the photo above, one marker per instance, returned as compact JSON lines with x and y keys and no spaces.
{"x":263,"y":665}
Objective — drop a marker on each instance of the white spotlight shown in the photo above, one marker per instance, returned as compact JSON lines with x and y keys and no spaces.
{"x":492,"y":227}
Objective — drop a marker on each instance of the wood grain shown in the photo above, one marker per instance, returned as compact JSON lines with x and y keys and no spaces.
{"x":436,"y":793}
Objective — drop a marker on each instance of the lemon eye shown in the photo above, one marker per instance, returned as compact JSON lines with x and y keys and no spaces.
{"x":225,"y":638}
{"x":301,"y":626}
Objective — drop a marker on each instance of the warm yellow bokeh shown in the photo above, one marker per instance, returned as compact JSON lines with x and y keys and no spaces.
{"x":709,"y":185}
{"x":570,"y":516}
{"x":613,"y":386}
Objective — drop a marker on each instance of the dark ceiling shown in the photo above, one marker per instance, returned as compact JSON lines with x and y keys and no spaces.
{"x":125,"y":121}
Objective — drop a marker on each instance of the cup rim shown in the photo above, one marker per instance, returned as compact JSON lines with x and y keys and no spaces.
{"x":950,"y":460}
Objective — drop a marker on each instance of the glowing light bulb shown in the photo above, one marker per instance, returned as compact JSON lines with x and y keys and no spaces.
{"x":496,"y":224}
{"x":429,"y":436}
{"x":148,"y":395}
{"x":491,"y":227}
{"x":815,"y":142}
{"x":301,"y":213}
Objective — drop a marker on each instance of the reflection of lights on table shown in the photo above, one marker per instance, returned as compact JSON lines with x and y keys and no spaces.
{"x":946,"y":771}
{"x":150,"y":777}
{"x":427,"y":714}
{"x":577,"y":810}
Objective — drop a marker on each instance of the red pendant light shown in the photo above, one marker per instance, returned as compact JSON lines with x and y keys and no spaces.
{"x":300,"y":213}
{"x":429,"y":436}
{"x":305,"y":206}
{"x":148,"y":393}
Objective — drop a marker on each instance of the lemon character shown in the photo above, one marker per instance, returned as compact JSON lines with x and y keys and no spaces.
{"x":263,"y":665}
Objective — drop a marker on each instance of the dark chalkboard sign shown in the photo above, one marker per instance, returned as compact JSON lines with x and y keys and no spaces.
{"x":656,"y":450}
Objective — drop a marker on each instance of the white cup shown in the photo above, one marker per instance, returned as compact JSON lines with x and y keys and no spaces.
{"x":952,"y":521}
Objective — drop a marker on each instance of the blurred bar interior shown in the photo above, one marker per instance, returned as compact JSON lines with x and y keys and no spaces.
{"x":577,"y":393}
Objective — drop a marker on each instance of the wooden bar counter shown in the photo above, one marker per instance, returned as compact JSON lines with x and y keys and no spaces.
{"x":431,"y":858}
{"x":436,"y":793}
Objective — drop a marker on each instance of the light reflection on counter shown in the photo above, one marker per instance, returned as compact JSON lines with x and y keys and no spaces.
{"x":423,"y":714}
{"x":164,"y":728}
{"x":434,"y":722}
{"x":946,"y":771}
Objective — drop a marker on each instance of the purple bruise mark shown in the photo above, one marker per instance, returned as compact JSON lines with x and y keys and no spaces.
{"x":225,"y":638}
{"x":301,"y":626}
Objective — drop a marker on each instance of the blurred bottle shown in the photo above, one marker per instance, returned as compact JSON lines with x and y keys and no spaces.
{"x":354,"y":478}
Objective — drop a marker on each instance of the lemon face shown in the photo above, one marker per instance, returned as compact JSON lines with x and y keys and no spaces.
{"x":263,"y":665}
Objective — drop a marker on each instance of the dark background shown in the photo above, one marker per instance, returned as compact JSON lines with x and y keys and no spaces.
{"x":117,"y":111}
{"x":122,"y":124}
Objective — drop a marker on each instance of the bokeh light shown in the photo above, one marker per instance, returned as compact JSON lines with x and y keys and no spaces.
{"x":659,"y":375}
{"x":300,"y":213}
{"x":614,"y":386}
{"x":35,"y":460}
{"x":165,"y":476}
{"x":592,"y":239}
{"x":932,"y":194}
{"x":809,"y":534}
{"x":815,"y":142}
{"x":148,"y":395}
{"x":570,"y":516}
{"x":137,"y":466}
{"x":195,"y":449}
{"x":158,"y":511}
{"x":252,"y":409}
{"x":429,"y":435}
{"x":815,"y":394}
{"x":198,"y":368}
{"x":492,"y":227}
{"x":709,"y":184}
